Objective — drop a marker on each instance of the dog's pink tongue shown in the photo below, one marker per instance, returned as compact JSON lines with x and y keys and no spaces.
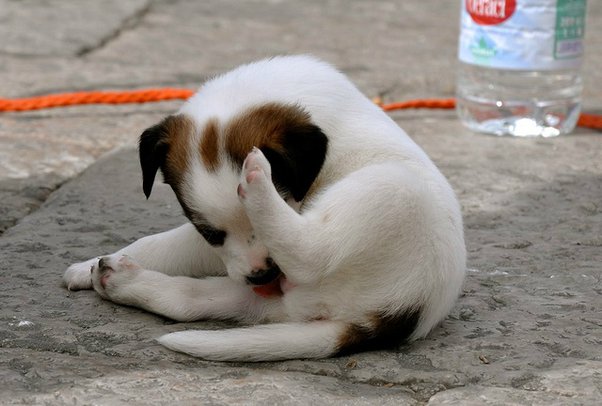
{"x":271,"y":289}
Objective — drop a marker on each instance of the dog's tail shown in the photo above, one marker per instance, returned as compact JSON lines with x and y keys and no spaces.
{"x":268,"y":342}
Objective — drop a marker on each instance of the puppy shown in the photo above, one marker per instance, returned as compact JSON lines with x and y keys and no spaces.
{"x":311,"y":213}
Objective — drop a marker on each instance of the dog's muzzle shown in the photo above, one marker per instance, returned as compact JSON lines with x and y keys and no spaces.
{"x":264,"y":276}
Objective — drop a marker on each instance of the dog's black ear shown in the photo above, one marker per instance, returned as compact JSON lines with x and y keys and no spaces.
{"x":153,"y":148}
{"x":296,"y":165}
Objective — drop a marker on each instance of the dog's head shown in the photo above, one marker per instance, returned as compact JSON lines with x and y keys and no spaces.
{"x":201,"y":161}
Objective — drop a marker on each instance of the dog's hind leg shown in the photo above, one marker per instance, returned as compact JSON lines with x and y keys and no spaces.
{"x":268,"y":342}
{"x":380,"y":214}
{"x":388,"y":235}
{"x":181,"y":251}
{"x":121,"y":280}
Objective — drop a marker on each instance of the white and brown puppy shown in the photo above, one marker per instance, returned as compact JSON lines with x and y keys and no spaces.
{"x":311,"y":213}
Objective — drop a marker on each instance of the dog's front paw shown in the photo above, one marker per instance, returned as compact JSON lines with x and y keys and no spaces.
{"x":112,"y":273}
{"x":256,"y":174}
{"x":78,"y":276}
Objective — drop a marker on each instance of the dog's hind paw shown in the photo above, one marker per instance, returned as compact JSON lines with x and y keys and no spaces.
{"x":256,"y":173}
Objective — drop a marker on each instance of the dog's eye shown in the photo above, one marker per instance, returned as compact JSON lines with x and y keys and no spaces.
{"x":212,"y":235}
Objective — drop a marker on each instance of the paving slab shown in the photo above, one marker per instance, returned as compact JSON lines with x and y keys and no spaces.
{"x":526,"y":330}
{"x":77,"y":27}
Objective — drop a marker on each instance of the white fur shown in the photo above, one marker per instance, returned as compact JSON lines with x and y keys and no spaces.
{"x":382,"y":230}
{"x":268,"y":342}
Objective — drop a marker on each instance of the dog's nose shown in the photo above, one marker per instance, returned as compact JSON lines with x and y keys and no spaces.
{"x":264,"y":276}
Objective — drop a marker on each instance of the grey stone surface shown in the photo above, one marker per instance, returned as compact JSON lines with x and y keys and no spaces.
{"x":21,"y":197}
{"x":527,"y":329}
{"x":66,"y":28}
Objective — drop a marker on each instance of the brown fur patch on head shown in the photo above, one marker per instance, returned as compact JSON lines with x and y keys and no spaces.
{"x":262,"y":127}
{"x":209,"y":146}
{"x":179,"y":129}
{"x":382,"y":331}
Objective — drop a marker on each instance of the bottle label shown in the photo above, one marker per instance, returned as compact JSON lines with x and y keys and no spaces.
{"x":522,"y":34}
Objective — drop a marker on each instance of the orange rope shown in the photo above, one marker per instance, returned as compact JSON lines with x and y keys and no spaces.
{"x":590,"y":121}
{"x":94,"y":97}
{"x":155,"y":95}
{"x":420,"y":104}
{"x":585,"y":120}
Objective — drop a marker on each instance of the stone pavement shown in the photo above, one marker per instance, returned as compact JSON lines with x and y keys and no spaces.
{"x":527,"y":329}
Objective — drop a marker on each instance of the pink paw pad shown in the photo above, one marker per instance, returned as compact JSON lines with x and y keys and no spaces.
{"x":241,"y":192}
{"x":105,"y":278}
{"x":251,"y":176}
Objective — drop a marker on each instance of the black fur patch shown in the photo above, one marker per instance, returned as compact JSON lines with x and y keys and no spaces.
{"x":297,"y":165}
{"x":295,"y":147}
{"x":165,"y":146}
{"x":152,"y":149}
{"x":387,"y":331}
{"x":211,"y":234}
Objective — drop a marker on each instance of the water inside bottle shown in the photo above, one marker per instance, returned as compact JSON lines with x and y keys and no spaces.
{"x":518,"y":103}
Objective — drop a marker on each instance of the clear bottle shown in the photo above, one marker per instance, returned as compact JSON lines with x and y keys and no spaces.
{"x":519,"y":66}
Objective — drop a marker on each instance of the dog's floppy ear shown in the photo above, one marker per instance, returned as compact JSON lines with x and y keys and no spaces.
{"x":153,"y":147}
{"x":296,"y":165}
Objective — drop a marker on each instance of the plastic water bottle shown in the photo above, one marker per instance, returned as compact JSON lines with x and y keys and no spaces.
{"x":519,"y":66}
